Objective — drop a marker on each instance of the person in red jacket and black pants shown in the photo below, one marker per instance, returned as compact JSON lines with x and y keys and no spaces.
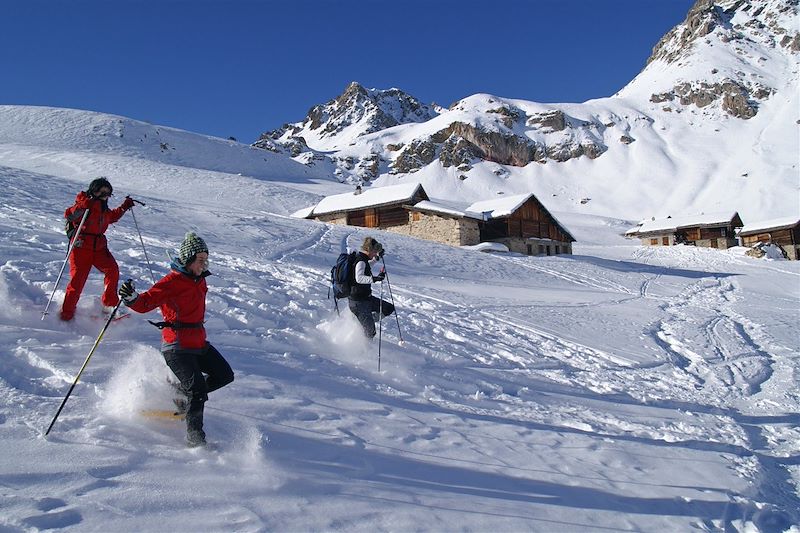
{"x":181,"y":295}
{"x":91,"y":248}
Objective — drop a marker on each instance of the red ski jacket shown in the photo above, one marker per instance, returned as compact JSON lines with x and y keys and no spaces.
{"x":96,"y":223}
{"x":182,"y":299}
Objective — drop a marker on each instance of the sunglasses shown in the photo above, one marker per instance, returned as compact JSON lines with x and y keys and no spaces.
{"x":103,"y":194}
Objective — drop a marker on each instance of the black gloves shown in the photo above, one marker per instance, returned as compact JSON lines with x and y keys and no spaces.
{"x":379,"y":277}
{"x":128,"y":293}
{"x":380,"y":254}
{"x":128,"y":203}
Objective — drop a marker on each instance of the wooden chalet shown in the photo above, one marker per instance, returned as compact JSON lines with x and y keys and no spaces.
{"x":519,"y":222}
{"x":379,"y":207}
{"x":783,"y":232}
{"x":712,"y":230}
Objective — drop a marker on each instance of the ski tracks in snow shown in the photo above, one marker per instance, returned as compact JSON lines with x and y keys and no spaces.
{"x":711,"y":343}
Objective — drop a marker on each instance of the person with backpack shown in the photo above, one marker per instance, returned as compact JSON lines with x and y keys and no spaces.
{"x":181,"y":295}
{"x":362,"y":303}
{"x":91,"y":247}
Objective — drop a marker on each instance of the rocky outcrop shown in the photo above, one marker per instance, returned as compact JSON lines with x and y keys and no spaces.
{"x":707,"y":16}
{"x":368,"y":167}
{"x":550,"y":120}
{"x":373,"y":109}
{"x":503,"y":148}
{"x":737,"y":99}
{"x":414,"y":156}
{"x":791,"y":42}
{"x":461,"y":145}
{"x":509,"y":115}
{"x":701,"y":20}
{"x":458,"y":152}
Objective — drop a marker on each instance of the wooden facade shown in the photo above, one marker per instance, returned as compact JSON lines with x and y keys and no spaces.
{"x":720,"y":234}
{"x":530,"y":220}
{"x":530,"y":230}
{"x":787,"y":237}
{"x":385,"y":216}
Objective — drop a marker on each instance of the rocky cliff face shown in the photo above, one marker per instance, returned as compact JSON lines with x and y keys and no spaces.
{"x":740,"y":26}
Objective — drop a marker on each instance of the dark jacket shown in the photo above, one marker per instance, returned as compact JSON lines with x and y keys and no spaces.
{"x":361,"y":291}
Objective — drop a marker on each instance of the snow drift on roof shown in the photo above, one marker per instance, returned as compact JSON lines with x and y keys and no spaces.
{"x":372,"y":197}
{"x":775,"y":223}
{"x":500,"y":207}
{"x":674,"y":223}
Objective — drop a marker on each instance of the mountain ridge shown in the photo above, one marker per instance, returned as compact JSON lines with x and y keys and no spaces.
{"x":727,"y":71}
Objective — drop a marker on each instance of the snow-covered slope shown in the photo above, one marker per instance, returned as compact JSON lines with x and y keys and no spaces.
{"x":711,"y":124}
{"x":142,"y":158}
{"x":621,"y":388}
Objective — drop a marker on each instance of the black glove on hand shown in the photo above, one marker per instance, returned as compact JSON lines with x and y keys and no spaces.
{"x":128,"y":293}
{"x":380,"y":254}
{"x":379,"y":277}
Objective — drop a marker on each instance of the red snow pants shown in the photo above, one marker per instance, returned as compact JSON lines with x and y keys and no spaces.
{"x":92,"y":252}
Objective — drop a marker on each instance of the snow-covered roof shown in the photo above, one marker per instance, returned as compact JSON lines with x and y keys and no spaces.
{"x":446,"y":207}
{"x":686,"y":221}
{"x":499,"y":207}
{"x":303,"y":213}
{"x":485,"y":209}
{"x":371,"y":197}
{"x":773,"y":224}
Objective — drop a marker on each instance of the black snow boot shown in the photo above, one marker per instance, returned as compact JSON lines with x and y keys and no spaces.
{"x":195,"y":438}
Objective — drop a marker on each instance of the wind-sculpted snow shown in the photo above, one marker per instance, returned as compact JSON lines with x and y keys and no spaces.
{"x":620,"y":388}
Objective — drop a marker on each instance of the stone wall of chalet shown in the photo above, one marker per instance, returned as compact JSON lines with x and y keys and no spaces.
{"x":333,"y":218}
{"x":455,"y":232}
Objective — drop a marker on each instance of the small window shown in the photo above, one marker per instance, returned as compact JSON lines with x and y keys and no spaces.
{"x":415,"y":216}
{"x":530,"y":249}
{"x":665,"y":241}
{"x":654,"y":242}
{"x":723,"y":232}
{"x":541,"y":249}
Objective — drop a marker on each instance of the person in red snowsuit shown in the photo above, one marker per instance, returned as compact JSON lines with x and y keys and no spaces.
{"x":181,"y":295}
{"x":91,"y":248}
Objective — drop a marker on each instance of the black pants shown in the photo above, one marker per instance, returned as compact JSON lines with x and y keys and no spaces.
{"x":367,"y":311}
{"x":189,"y":366}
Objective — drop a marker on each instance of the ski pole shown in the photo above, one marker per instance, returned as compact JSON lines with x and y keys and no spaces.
{"x":380,"y":326}
{"x":142,"y":241}
{"x":66,"y":259}
{"x":391,"y":296}
{"x":86,"y":362}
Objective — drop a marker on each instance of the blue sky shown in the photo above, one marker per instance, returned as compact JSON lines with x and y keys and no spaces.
{"x":238,"y":67}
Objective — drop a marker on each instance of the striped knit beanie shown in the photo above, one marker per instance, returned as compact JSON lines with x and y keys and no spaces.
{"x":190,"y":247}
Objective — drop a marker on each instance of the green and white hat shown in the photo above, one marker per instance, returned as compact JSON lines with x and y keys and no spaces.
{"x":190,"y":247}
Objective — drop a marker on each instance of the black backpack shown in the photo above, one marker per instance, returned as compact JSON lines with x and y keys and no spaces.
{"x":71,"y":226}
{"x":342,"y":275}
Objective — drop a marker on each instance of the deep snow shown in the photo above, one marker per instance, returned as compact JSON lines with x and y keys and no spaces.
{"x":620,"y":388}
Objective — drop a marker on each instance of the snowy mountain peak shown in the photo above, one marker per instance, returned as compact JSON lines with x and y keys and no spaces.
{"x":727,"y":56}
{"x":769,"y":22}
{"x":357,"y":111}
